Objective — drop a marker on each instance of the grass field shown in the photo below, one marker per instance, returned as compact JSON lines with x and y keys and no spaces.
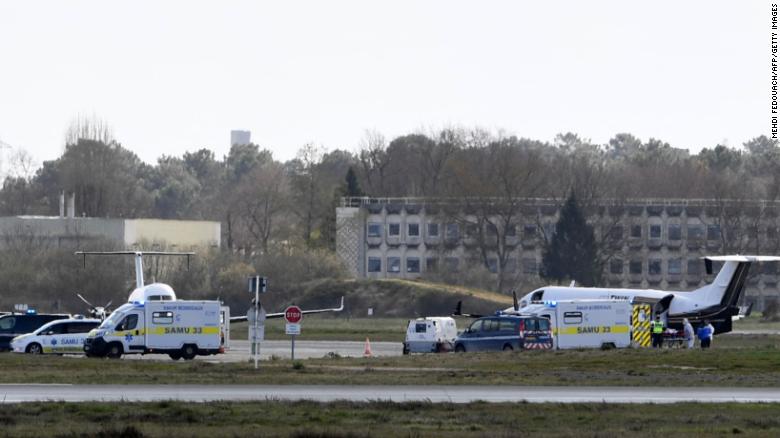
{"x":380,"y":419}
{"x":734,"y":361}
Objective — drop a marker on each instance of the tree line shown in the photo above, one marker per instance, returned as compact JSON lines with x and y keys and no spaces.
{"x":273,"y":211}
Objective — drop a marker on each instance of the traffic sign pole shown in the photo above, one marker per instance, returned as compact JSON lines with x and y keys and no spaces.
{"x":293,"y":316}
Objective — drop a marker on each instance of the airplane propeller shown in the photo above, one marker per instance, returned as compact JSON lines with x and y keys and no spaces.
{"x":97,"y":312}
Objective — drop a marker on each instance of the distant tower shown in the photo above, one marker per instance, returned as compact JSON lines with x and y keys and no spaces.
{"x":240,"y":137}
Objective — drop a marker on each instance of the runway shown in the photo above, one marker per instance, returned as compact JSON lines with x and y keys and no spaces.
{"x":16,"y":393}
{"x":239,"y":350}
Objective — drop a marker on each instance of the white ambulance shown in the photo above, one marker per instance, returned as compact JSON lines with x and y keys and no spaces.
{"x":587,"y":323}
{"x":180,"y":329}
{"x":431,"y":334}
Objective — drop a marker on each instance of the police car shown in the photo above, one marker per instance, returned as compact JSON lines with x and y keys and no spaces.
{"x":64,"y":336}
{"x":504,"y":333}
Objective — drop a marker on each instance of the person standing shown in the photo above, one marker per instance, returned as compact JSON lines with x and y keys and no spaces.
{"x":688,"y":333}
{"x":705,"y":335}
{"x":711,"y":331}
{"x":657,"y":328}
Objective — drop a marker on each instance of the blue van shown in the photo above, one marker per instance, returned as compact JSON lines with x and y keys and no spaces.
{"x":505,"y":333}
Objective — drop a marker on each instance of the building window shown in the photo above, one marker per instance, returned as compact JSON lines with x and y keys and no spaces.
{"x":616,"y":266}
{"x":635,"y":267}
{"x":511,"y":266}
{"x":616,"y":233}
{"x":431,"y":264}
{"x":654,"y":267}
{"x":492,"y":263}
{"x":374,"y":230}
{"x":529,"y":266}
{"x":413,"y":264}
{"x":453,"y":232}
{"x":694,"y":267}
{"x":713,"y":232}
{"x":674,"y":266}
{"x":452,"y":263}
{"x":413,"y":230}
{"x":433,"y":230}
{"x":636,"y":231}
{"x":492,"y":230}
{"x":675,"y":232}
{"x":472,"y":230}
{"x":374,"y":264}
{"x":394,"y":230}
{"x":511,"y":230}
{"x":394,"y":264}
{"x":695,"y":232}
{"x":529,"y":232}
{"x":655,"y":231}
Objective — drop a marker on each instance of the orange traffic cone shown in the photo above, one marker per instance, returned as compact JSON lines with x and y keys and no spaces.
{"x":367,"y":350}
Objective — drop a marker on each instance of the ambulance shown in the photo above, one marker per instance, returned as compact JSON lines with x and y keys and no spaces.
{"x":180,"y":329}
{"x":587,"y":323}
{"x":62,"y":336}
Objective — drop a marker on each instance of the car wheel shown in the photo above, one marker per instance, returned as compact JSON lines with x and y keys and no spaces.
{"x":34,"y":348}
{"x":114,"y":350}
{"x":459,"y":348}
{"x":508,"y":347}
{"x":189,"y":351}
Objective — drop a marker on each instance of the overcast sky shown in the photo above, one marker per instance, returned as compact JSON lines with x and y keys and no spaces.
{"x":173,"y":76}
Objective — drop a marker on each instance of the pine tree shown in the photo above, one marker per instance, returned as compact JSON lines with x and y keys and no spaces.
{"x":353,"y":189}
{"x":571,"y":253}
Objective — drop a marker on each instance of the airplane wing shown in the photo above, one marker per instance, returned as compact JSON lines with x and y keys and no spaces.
{"x":281,"y":314}
{"x":743,"y":258}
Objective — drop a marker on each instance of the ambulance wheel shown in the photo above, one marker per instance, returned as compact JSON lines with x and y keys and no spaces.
{"x":34,"y":348}
{"x":175,"y":356}
{"x":114,"y":350}
{"x":508,"y":347}
{"x":405,"y":351}
{"x":189,"y":351}
{"x":460,"y":348}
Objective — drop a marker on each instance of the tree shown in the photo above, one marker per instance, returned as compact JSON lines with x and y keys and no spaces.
{"x":571,"y":253}
{"x":352,"y":188}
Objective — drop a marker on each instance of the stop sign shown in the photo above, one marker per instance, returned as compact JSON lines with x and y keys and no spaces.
{"x":293,"y":314}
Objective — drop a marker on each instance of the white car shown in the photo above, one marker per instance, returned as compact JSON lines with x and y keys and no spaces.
{"x":63,"y":336}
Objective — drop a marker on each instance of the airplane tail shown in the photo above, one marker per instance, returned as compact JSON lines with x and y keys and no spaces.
{"x":730,"y":281}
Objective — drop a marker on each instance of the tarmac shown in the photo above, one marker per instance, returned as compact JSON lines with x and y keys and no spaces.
{"x":16,"y":393}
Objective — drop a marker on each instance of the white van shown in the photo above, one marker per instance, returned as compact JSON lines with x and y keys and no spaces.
{"x":62,"y":336}
{"x":430,"y":335}
{"x":180,"y":329}
{"x":587,"y":323}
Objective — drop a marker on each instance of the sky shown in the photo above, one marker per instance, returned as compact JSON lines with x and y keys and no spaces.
{"x":177,"y":76}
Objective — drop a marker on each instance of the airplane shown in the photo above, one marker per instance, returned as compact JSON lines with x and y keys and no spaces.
{"x":715,"y":302}
{"x":163,"y":292}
